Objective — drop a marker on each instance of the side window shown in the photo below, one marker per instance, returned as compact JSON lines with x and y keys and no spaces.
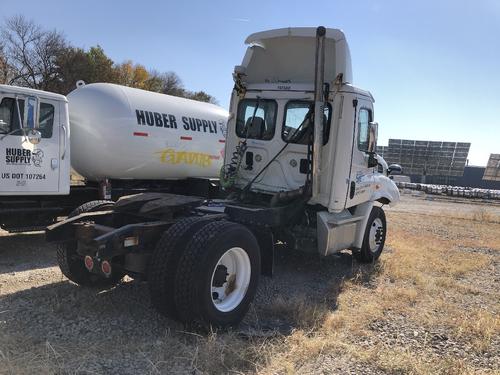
{"x":298,"y":125}
{"x":263,"y":125}
{"x":364,"y":119}
{"x":9,"y":117}
{"x":46,"y":119}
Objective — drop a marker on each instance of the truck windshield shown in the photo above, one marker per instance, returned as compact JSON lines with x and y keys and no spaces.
{"x":9,"y":118}
{"x":263,"y":125}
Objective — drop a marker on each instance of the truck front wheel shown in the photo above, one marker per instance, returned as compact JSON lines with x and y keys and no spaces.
{"x":72,"y":265}
{"x":217,"y":275}
{"x":374,"y":238}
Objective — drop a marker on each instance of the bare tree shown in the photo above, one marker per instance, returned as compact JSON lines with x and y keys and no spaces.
{"x":34,"y":57}
{"x":4,"y":67}
{"x":31,"y":53}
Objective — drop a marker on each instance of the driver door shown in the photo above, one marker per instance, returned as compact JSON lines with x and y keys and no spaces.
{"x":361,"y":176}
{"x":25,"y":168}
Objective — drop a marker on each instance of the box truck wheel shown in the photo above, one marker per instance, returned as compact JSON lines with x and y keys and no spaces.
{"x":374,"y":239}
{"x":72,"y":264}
{"x":164,"y":260}
{"x":217,"y":275}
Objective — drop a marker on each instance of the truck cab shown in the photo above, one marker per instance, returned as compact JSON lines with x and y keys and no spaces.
{"x":297,"y":123}
{"x":34,"y":142}
{"x":34,"y":151}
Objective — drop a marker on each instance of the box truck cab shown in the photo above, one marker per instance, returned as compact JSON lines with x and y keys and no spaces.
{"x":34,"y":142}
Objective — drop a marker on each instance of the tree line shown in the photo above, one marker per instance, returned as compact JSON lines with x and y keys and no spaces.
{"x":34,"y":57}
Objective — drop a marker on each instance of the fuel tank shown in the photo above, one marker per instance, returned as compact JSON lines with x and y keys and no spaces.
{"x":119,"y":132}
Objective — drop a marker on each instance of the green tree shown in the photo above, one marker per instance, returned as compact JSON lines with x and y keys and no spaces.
{"x":73,"y":64}
{"x":154,"y":82}
{"x":171,"y":84}
{"x":101,"y":66}
{"x":201,"y":96}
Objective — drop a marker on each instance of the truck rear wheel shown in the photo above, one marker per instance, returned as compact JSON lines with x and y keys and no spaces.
{"x":217,"y":275}
{"x":164,"y":261}
{"x":374,"y":238}
{"x":72,"y":265}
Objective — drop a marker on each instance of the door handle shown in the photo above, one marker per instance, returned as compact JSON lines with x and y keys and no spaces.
{"x":64,"y":138}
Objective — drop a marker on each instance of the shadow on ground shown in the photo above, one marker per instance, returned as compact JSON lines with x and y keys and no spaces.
{"x":25,"y":251}
{"x":298,"y":277}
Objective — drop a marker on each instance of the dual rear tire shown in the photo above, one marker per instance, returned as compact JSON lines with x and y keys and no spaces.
{"x":205,"y":273}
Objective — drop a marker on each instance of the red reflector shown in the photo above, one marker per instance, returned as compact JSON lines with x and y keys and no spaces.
{"x":187,"y":138}
{"x":89,"y":262}
{"x":140,"y":134}
{"x":106,"y":268}
{"x":222,"y":140}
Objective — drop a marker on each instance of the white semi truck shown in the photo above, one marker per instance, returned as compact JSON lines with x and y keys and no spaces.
{"x":300,"y":168}
{"x":122,"y":137}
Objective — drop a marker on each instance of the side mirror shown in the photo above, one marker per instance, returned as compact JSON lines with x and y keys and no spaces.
{"x":31,"y":112}
{"x":372,"y":137}
{"x":394,"y":169}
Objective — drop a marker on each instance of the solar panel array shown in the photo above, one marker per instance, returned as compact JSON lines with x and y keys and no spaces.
{"x":429,"y":158}
{"x":492,"y":171}
{"x":381,"y":150}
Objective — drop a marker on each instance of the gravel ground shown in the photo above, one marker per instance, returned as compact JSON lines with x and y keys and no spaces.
{"x":49,"y":325}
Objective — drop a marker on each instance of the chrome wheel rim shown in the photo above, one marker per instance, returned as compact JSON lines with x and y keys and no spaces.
{"x":376,"y":235}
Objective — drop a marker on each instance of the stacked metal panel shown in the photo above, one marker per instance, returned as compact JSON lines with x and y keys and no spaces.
{"x":381,"y":150}
{"x":429,"y":158}
{"x":492,"y":171}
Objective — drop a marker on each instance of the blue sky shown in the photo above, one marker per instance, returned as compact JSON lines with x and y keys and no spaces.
{"x":432,"y":66}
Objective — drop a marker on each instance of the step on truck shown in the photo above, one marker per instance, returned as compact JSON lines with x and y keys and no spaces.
{"x":300,"y":169}
{"x":123,"y":141}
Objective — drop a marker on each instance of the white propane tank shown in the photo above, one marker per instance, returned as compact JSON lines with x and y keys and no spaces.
{"x":119,"y":132}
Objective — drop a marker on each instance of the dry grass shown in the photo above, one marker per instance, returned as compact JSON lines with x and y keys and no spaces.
{"x":484,"y":216}
{"x":426,"y":279}
{"x":429,"y":306}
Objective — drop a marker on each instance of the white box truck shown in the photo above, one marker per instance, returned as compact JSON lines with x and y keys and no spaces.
{"x":300,"y":168}
{"x":112,"y":135}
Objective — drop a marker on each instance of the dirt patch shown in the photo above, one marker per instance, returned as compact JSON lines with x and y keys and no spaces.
{"x":429,"y":306}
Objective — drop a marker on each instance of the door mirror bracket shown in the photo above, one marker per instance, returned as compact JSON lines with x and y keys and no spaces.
{"x":372,"y":144}
{"x":372,"y":137}
{"x":31,"y":113}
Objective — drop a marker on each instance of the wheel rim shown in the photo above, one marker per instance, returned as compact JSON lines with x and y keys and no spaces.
{"x":376,"y":235}
{"x":230,"y":279}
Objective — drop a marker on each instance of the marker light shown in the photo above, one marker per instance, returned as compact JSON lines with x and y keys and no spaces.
{"x":89,"y":262}
{"x":106,"y":268}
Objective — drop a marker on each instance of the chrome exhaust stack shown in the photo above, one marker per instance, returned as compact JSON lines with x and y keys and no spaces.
{"x":319,"y":104}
